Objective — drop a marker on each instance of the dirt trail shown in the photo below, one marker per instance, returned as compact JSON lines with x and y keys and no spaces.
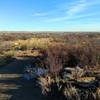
{"x":13,"y":86}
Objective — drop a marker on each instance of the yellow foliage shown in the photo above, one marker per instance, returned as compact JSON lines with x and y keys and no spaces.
{"x":33,"y":43}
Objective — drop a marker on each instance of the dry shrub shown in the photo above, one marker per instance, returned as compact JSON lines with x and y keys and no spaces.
{"x":60,"y":56}
{"x":5,"y":46}
{"x":98,"y":94}
{"x":54,"y":59}
{"x":58,"y":89}
{"x":71,"y":93}
{"x":33,"y":43}
{"x":43,"y":83}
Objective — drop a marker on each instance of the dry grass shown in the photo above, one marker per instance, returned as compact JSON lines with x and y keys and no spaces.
{"x":33,"y":43}
{"x":59,"y":52}
{"x":57,"y":89}
{"x":28,"y":53}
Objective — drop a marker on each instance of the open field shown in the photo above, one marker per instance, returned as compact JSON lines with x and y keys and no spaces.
{"x":71,"y":59}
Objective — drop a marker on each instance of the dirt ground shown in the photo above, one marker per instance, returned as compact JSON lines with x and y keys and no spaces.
{"x":12,"y":84}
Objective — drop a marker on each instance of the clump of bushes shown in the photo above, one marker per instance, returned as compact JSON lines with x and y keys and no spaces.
{"x":60,"y":56}
{"x":57,"y":89}
{"x":33,"y":43}
{"x":9,"y":54}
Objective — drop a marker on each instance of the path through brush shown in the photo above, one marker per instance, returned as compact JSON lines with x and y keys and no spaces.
{"x":13,"y":86}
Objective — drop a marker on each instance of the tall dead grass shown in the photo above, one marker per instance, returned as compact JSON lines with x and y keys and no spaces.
{"x":58,"y":89}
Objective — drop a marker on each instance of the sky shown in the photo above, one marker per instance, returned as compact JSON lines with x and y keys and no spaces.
{"x":50,"y":15}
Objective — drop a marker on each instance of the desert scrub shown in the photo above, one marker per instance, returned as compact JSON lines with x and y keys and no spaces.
{"x":71,"y":93}
{"x":98,"y":94}
{"x":41,"y":43}
{"x":6,"y":46}
{"x":73,"y":55}
{"x":59,"y":89}
{"x":9,"y":54}
{"x":56,"y":89}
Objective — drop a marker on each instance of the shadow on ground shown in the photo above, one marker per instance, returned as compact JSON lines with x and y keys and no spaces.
{"x":12,"y":84}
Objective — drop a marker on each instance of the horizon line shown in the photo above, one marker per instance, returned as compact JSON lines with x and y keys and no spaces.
{"x":47,"y":31}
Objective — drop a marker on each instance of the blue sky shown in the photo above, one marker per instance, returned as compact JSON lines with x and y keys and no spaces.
{"x":49,"y":15}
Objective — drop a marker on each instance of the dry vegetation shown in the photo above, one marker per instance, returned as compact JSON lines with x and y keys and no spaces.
{"x":59,"y":51}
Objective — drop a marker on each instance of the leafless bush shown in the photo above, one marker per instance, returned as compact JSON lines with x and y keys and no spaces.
{"x":55,"y":58}
{"x":60,"y":56}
